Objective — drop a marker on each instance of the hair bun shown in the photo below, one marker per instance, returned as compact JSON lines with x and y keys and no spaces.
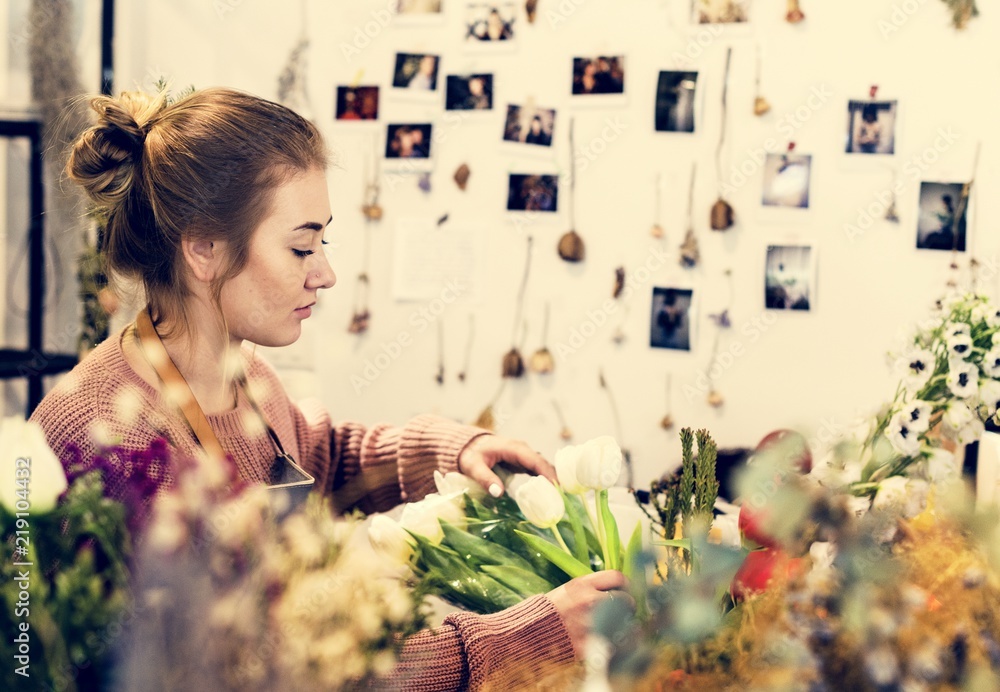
{"x":105,"y":157}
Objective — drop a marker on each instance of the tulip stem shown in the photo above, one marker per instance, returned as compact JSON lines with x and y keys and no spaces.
{"x":560,"y":541}
{"x":600,"y":527}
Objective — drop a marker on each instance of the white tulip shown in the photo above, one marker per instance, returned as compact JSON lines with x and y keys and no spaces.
{"x":455,"y":482}
{"x":566,"y":461}
{"x":36,"y":484}
{"x":422,"y":517}
{"x":390,"y":539}
{"x":540,"y":502}
{"x":600,"y":463}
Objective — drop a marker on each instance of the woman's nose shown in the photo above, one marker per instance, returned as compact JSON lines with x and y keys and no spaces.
{"x":322,"y":276}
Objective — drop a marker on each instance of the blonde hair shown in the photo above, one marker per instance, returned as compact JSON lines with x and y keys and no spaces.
{"x":203,"y":168}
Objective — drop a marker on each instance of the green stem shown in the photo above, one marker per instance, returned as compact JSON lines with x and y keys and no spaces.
{"x":600,"y":528}
{"x":560,"y":541}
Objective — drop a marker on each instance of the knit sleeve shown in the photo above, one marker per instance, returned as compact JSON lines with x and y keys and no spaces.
{"x":512,"y":649}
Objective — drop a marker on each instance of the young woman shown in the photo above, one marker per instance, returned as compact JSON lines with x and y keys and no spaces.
{"x":216,"y":206}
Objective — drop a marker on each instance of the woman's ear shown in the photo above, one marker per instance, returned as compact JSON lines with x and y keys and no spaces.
{"x":203,"y":258}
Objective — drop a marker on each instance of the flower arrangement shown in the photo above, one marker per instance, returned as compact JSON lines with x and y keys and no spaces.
{"x":486,"y":554}
{"x":63,"y":568}
{"x":950,"y":385}
{"x":235,"y":599}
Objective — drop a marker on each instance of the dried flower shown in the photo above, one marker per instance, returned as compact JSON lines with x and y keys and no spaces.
{"x":657,"y":231}
{"x":486,"y":420}
{"x":359,"y":322}
{"x":715,"y":399}
{"x":542,"y":361}
{"x":462,"y":176}
{"x":722,"y":217}
{"x":794,"y":14}
{"x":531,"y":9}
{"x":372,"y":212}
{"x":619,"y":282}
{"x":667,"y":422}
{"x":513,"y":364}
{"x":571,"y":247}
{"x":690,"y":254}
{"x":761,"y":106}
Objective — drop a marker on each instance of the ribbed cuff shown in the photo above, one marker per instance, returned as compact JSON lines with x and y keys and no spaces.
{"x":430,"y":443}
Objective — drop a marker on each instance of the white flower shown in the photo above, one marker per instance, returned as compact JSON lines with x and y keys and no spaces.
{"x":995,"y":339}
{"x":953,"y":329}
{"x":916,"y":367}
{"x":993,"y":318}
{"x":991,"y":361}
{"x":600,"y":463}
{"x":942,"y":465}
{"x":958,"y":415}
{"x":422,"y":517}
{"x":918,"y":415}
{"x":541,"y":502}
{"x":959,"y":346}
{"x":905,"y":440}
{"x":455,"y":482}
{"x":981,"y":312}
{"x":390,"y":539}
{"x":892,"y":492}
{"x":971,"y":432}
{"x":989,"y":396}
{"x":963,"y":378}
{"x":726,"y":530}
{"x":566,"y":462}
{"x":40,"y":479}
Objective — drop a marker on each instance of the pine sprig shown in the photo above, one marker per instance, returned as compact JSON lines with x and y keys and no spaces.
{"x":687,"y":485}
{"x":706,"y":482}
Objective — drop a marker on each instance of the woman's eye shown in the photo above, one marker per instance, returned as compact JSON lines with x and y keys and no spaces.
{"x":302,"y":253}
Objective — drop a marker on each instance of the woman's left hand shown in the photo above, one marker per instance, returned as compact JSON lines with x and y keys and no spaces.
{"x":486,"y":451}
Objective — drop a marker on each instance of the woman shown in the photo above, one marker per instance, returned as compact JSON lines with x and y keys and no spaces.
{"x":217,"y":206}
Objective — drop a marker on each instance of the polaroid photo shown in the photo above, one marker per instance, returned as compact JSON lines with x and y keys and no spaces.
{"x":490,"y":26}
{"x":676,"y":101}
{"x":533,"y":192}
{"x":720,"y":12}
{"x":942,"y":223}
{"x":787,"y":181}
{"x":529,"y":126}
{"x":872,"y":128}
{"x":416,"y":75}
{"x":672,"y":319}
{"x":356,"y":104}
{"x":471,"y":92}
{"x":790,"y":277}
{"x":598,"y":80}
{"x":417,"y":12}
{"x":408,"y":146}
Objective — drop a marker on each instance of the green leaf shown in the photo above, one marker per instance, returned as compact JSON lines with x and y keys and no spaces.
{"x":556,"y":555}
{"x":614,"y":541}
{"x":524,"y":582}
{"x":575,"y":520}
{"x":632,"y":551}
{"x":675,"y":543}
{"x":479,"y":551}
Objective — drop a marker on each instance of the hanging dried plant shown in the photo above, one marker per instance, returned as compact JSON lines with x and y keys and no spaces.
{"x":657,"y":230}
{"x":531,"y":9}
{"x":618,"y":336}
{"x":690,"y":254}
{"x":292,"y":82}
{"x":487,"y":417}
{"x":542,"y":361}
{"x":962,"y":11}
{"x":723,"y":217}
{"x":721,"y":321}
{"x":439,"y":378}
{"x":361,"y":316}
{"x":565,"y":433}
{"x":468,"y":348}
{"x":760,"y":104}
{"x":619,"y":282}
{"x":715,"y":399}
{"x":667,"y":422}
{"x":513,"y":363}
{"x":370,"y":207}
{"x":424,"y":182}
{"x":462,"y":176}
{"x":626,"y":456}
{"x":571,"y":247}
{"x":794,"y":15}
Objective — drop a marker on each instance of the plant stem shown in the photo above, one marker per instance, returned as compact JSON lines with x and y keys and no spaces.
{"x":561,"y":542}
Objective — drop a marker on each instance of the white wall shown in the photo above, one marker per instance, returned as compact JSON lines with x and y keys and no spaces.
{"x":807,"y":370}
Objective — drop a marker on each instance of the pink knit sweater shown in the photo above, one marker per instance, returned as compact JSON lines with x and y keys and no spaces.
{"x":103,"y":399}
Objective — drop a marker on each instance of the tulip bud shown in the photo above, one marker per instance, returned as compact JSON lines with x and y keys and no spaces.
{"x":390,"y":539}
{"x":566,"y":462}
{"x":422,"y":517}
{"x":46,"y":479}
{"x":600,"y":463}
{"x":454,"y":482}
{"x":540,"y":502}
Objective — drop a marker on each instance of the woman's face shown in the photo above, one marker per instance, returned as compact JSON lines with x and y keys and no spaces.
{"x":267,"y":301}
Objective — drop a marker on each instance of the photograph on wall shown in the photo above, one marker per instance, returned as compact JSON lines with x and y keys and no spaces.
{"x":871,"y":127}
{"x":941,"y":222}
{"x":408,"y":141}
{"x":417,"y":72}
{"x":675,"y":94}
{"x":790,"y":277}
{"x":787,"y":178}
{"x":599,"y":75}
{"x":472,"y":92}
{"x":721,"y":11}
{"x":532,"y":192}
{"x":528,"y":125}
{"x":357,"y":103}
{"x":671,"y":318}
{"x":490,"y":23}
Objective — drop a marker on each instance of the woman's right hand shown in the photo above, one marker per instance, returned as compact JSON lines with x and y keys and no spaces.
{"x":575,"y":600}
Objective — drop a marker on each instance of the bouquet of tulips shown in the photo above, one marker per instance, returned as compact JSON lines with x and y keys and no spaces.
{"x":486,"y":554}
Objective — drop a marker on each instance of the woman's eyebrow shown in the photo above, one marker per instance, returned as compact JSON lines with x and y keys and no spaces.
{"x":313,"y":226}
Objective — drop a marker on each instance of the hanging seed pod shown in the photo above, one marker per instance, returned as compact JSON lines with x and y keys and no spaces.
{"x":462,"y":176}
{"x":657,"y":231}
{"x":715,"y":399}
{"x":486,"y":420}
{"x":892,"y":214}
{"x":531,"y":9}
{"x":690,"y":254}
{"x":565,"y":433}
{"x":667,"y":422}
{"x":542,"y":361}
{"x":619,"y":335}
{"x":372,"y":212}
{"x":619,"y":282}
{"x":722,"y":216}
{"x":359,"y":322}
{"x":761,"y":106}
{"x":513,"y":364}
{"x":571,"y":247}
{"x":794,"y":14}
